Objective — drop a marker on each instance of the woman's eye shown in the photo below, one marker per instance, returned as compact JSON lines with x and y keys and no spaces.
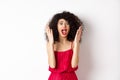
{"x":61,"y":23}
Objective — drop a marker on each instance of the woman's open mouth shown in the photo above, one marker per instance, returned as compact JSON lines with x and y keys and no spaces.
{"x":64,"y":31}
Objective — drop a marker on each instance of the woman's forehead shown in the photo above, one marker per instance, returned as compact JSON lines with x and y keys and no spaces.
{"x":62,"y":20}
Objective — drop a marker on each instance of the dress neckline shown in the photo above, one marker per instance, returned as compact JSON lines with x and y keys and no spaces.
{"x":64,"y":50}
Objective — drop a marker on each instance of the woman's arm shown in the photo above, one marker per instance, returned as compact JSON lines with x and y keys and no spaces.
{"x":51,"y":56}
{"x":76,"y":47}
{"x":50,"y":48}
{"x":75,"y":57}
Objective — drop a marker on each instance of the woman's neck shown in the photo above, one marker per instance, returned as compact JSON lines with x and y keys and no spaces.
{"x":63,"y":40}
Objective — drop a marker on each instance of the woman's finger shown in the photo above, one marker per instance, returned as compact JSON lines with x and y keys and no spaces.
{"x":77,"y":32}
{"x":80,"y":29}
{"x":50,"y":31}
{"x":47,"y":28}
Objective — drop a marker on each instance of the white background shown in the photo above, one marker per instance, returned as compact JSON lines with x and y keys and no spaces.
{"x":22,"y":42}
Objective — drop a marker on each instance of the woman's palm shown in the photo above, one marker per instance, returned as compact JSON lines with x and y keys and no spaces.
{"x":49,"y":35}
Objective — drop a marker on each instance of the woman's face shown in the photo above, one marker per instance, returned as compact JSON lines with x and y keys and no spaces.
{"x":63,"y":28}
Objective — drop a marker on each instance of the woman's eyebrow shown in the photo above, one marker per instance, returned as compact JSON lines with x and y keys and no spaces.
{"x":61,"y":21}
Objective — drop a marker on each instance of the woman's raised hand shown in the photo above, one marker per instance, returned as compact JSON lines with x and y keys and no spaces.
{"x":49,"y":33}
{"x":78,"y":35}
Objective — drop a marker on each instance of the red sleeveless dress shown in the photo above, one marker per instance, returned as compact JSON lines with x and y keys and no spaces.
{"x":63,"y":69}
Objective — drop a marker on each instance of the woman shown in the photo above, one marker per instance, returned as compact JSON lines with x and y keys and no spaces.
{"x":63,"y":37}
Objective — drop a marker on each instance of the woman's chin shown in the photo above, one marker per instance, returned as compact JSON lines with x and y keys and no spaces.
{"x":63,"y":36}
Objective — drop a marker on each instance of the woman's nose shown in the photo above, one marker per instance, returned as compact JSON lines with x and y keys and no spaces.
{"x":64,"y":25}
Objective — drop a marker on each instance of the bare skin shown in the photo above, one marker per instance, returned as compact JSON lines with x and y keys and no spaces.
{"x":63,"y":43}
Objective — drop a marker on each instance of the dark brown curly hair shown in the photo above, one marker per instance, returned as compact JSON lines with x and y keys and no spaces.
{"x":72,"y":20}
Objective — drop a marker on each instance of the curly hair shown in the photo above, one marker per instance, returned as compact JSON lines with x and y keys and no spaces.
{"x":72,"y":20}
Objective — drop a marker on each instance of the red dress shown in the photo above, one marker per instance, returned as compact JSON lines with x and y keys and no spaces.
{"x":63,"y":69}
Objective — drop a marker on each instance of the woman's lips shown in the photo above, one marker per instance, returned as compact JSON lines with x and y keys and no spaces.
{"x":64,"y":31}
